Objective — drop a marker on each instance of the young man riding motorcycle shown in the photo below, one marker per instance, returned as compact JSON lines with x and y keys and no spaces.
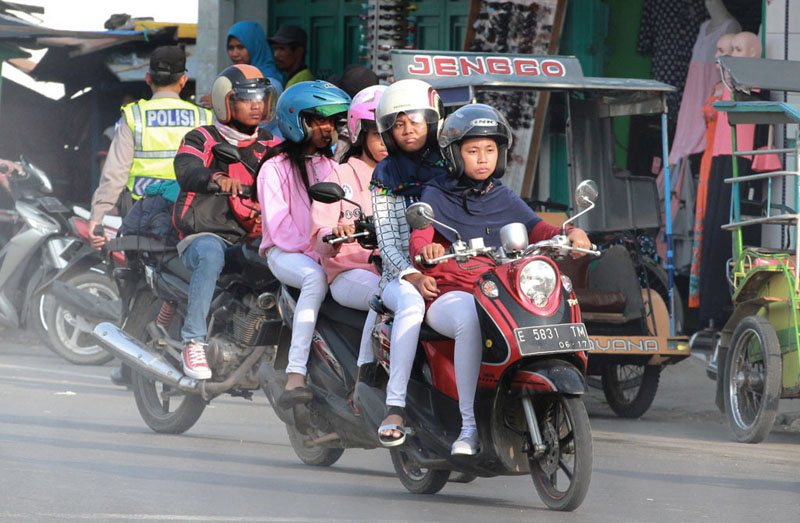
{"x":210,"y":223}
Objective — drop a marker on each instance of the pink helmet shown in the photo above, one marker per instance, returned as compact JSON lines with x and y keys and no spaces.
{"x":363,"y":108}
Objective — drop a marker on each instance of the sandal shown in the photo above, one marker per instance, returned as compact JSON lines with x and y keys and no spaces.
{"x":391,"y":441}
{"x":297,"y":396}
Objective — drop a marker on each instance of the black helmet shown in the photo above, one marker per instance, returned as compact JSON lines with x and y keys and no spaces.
{"x":475,"y":121}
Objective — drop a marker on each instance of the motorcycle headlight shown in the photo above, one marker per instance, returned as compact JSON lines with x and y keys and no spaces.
{"x":37,"y":220}
{"x":537,"y":280}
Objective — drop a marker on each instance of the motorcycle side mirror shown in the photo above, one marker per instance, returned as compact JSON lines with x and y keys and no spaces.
{"x":326,"y":192}
{"x":585,"y":197}
{"x":514,"y":237}
{"x":419,"y":215}
{"x":226,"y":153}
{"x":586,"y":194}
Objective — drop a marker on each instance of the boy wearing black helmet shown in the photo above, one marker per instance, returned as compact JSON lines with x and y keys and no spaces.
{"x":475,"y":141}
{"x":208,"y":224}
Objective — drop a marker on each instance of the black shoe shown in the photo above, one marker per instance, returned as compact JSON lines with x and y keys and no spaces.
{"x":299,"y":395}
{"x":121,"y":376}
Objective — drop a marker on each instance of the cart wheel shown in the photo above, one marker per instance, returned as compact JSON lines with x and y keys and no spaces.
{"x":659,"y":282}
{"x":753,"y":379}
{"x":630,"y":389}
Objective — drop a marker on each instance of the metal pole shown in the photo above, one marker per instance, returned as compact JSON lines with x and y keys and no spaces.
{"x":668,"y":220}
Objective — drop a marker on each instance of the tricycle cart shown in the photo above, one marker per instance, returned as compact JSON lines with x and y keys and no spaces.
{"x":627,"y":299}
{"x":757,"y":360}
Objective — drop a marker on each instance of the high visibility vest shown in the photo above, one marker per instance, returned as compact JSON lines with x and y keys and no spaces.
{"x":158,"y":127}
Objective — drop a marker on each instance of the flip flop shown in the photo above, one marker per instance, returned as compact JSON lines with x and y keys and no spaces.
{"x":391,"y":441}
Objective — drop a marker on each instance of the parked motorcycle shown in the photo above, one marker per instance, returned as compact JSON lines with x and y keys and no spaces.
{"x":243,"y":325}
{"x":531,"y":418}
{"x":69,"y":330}
{"x":34,"y":251}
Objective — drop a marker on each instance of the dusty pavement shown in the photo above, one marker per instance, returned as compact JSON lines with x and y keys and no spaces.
{"x":73,"y":448}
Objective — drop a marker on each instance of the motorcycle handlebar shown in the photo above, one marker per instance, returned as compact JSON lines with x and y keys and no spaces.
{"x":246,"y":192}
{"x":332,"y":239}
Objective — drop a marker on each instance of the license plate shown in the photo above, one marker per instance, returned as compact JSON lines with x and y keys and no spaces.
{"x":564,"y":337}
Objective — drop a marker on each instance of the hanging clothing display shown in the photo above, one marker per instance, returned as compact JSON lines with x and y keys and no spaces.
{"x":710,"y":118}
{"x":690,"y":134}
{"x":668,"y":30}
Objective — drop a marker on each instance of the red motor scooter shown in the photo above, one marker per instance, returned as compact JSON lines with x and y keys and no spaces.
{"x":531,"y":417}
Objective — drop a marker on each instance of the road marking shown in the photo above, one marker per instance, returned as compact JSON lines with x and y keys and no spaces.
{"x":171,"y":517}
{"x":40,"y":370}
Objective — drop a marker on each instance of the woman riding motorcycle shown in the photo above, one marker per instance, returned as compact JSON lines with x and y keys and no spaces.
{"x":475,"y":141}
{"x":408,"y":117}
{"x":209,"y":224}
{"x":307,"y":115}
{"x":352,"y":278}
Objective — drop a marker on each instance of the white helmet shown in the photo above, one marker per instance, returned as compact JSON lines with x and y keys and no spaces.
{"x":417,"y":100}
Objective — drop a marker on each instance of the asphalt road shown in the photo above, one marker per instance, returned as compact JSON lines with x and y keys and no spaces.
{"x":73,"y":448}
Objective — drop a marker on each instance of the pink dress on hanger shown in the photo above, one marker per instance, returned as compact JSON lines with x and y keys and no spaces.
{"x":690,"y":134}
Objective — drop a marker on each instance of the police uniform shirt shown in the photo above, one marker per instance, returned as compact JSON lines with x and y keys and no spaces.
{"x":118,"y":164}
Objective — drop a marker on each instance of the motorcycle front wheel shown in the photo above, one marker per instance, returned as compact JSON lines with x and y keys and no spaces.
{"x":165,"y":410}
{"x":314,"y":455}
{"x":415,"y":478}
{"x":68,"y":334}
{"x":563,"y":473}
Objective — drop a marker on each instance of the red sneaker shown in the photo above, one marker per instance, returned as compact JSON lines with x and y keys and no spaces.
{"x":194,"y":361}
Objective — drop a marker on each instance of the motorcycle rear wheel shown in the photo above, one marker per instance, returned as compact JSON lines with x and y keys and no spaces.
{"x":565,"y":429}
{"x":65,"y":335}
{"x":154,"y":398}
{"x":630,"y":389}
{"x":315,"y":456}
{"x":416,"y":479}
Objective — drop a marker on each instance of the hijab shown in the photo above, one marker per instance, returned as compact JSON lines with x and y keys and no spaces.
{"x":404,"y":174}
{"x":476,"y":208}
{"x":251,"y":34}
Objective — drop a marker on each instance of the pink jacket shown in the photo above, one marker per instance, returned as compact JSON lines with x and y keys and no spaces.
{"x":286,"y":206}
{"x":354,"y":177}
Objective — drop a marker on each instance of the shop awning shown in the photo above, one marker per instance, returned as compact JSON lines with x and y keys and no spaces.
{"x":762,"y":73}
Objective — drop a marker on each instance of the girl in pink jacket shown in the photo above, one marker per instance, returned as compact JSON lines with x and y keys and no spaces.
{"x":306,"y":115}
{"x":352,"y":278}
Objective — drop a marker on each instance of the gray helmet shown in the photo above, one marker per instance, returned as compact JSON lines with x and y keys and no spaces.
{"x":475,"y":121}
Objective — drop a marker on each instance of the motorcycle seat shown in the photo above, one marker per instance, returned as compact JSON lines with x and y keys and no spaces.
{"x":139,"y":243}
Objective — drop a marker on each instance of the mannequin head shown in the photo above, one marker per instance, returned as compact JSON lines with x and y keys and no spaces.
{"x":724,"y":45}
{"x":746,"y":44}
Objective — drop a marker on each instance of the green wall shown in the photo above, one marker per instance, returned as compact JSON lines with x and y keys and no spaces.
{"x":622,"y":60}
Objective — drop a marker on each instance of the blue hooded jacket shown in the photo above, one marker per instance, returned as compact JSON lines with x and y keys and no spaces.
{"x":252,"y":35}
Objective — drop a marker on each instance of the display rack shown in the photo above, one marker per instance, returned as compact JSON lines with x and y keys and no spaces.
{"x":386,"y":25}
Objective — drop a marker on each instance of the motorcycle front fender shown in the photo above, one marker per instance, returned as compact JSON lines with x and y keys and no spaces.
{"x":552,"y":375}
{"x":80,"y":263}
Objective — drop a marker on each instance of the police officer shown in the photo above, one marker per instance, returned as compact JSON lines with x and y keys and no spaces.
{"x":147,"y":138}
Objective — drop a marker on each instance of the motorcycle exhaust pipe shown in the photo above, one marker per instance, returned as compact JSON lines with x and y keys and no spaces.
{"x":130,"y":351}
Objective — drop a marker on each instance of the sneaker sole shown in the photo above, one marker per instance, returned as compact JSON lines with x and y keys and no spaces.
{"x":197,"y":375}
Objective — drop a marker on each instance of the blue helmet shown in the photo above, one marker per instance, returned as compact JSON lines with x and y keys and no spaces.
{"x":317,"y":97}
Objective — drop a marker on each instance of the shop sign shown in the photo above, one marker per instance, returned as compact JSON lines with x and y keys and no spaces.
{"x":445,"y":69}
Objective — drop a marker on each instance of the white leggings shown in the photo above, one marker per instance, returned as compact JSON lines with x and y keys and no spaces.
{"x":454,"y":314}
{"x":298,"y":270}
{"x":409,"y":310}
{"x":354,"y":289}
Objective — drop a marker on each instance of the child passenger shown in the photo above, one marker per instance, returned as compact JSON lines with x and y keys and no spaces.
{"x":475,"y":140}
{"x":352,"y":278}
{"x":408,"y":118}
{"x":306,"y":114}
